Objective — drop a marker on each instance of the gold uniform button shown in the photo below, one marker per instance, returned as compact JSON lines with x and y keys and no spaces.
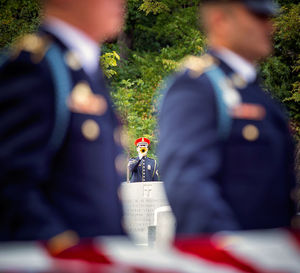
{"x":72,"y":60}
{"x":250,"y":132}
{"x":121,"y":137}
{"x":90,"y":129}
{"x":121,"y":164}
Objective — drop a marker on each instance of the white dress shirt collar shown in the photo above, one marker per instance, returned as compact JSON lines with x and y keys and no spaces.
{"x":87,"y":50}
{"x":238,"y":64}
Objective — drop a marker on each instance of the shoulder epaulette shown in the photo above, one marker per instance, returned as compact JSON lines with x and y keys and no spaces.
{"x":34,"y":43}
{"x":197,"y":64}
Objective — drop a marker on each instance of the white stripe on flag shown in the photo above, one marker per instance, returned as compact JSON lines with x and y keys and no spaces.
{"x":24,"y":256}
{"x":122,"y":251}
{"x":269,"y":249}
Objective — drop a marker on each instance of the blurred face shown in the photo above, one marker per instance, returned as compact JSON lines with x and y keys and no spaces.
{"x":105,"y":17}
{"x":248,"y":34}
{"x":100,"y":19}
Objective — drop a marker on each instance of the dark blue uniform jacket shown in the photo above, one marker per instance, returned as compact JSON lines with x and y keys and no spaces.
{"x":141,"y":170}
{"x":230,"y":184}
{"x":44,"y":192}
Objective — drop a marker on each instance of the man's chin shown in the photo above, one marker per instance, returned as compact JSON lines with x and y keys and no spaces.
{"x":112,"y":35}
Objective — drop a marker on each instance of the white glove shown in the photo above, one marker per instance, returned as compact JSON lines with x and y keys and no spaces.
{"x":132,"y":161}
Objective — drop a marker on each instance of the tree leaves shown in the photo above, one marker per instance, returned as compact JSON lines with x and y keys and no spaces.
{"x":160,"y":34}
{"x":282,"y":70}
{"x":108,"y":61}
{"x":157,"y":34}
{"x":17,"y":18}
{"x":153,"y":6}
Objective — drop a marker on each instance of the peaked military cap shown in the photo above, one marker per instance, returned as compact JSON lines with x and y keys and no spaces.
{"x":142,"y":140}
{"x":264,"y":7}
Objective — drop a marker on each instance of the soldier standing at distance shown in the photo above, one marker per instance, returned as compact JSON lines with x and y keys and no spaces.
{"x":143,"y":168}
{"x":225,"y":152}
{"x":60,"y":152}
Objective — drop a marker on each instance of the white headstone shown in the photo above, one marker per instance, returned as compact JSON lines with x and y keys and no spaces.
{"x":140,"y":200}
{"x":165,"y":226}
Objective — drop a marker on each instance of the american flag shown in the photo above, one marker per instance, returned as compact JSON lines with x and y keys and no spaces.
{"x":268,"y":251}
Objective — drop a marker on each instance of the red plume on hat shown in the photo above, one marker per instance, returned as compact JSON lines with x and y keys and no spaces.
{"x":142,"y":139}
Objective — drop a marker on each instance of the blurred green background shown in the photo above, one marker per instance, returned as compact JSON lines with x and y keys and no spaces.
{"x":156,"y":36}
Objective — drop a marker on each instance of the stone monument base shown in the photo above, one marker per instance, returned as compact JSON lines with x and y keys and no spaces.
{"x":147,"y":214}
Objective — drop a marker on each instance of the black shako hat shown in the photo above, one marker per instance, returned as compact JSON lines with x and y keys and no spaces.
{"x":263,"y":7}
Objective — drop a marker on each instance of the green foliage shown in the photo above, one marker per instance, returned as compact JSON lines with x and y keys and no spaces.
{"x":108,"y":61}
{"x":282,"y":70}
{"x":159,"y":34}
{"x":153,"y":6}
{"x":17,"y":18}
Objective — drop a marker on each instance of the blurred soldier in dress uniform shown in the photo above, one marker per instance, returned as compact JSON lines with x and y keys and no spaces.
{"x":60,"y":151}
{"x":143,"y":168}
{"x":225,"y":151}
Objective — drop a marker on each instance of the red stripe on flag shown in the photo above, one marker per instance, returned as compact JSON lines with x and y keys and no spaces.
{"x":296,"y":235}
{"x":206,"y":249}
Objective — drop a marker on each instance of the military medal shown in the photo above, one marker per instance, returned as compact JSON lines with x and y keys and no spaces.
{"x":83,"y":100}
{"x":248,"y":111}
